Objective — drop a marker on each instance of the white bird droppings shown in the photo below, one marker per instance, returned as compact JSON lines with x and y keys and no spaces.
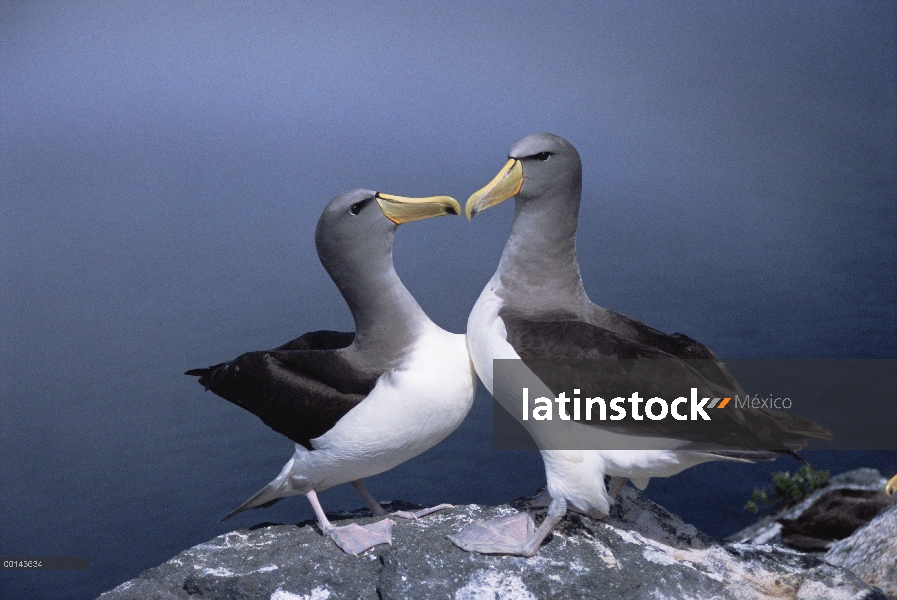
{"x":491,"y":585}
{"x":319,"y":593}
{"x":658,"y":557}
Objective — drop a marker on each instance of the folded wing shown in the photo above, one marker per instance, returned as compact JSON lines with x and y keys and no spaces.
{"x":300,"y":389}
{"x":567,"y":354}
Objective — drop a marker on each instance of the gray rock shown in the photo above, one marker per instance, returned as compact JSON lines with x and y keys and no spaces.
{"x":767,"y":529}
{"x":639,"y":551}
{"x":871,"y":551}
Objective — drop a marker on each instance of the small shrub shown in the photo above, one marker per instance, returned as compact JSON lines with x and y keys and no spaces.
{"x":787,"y":489}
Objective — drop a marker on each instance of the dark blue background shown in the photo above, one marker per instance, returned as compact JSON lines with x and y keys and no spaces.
{"x":162,"y":167}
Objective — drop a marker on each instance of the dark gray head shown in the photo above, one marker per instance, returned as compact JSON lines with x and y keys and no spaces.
{"x":538,"y":272}
{"x":354,"y":238}
{"x":353,"y":233}
{"x":550,"y":164}
{"x":540,"y":167}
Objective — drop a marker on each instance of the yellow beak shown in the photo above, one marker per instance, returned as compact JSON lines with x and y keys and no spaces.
{"x":891,"y":486}
{"x":505,"y":185}
{"x":400,"y":209}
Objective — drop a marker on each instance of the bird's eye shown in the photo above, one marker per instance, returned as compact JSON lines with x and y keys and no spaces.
{"x":542,"y":155}
{"x":355,"y":208}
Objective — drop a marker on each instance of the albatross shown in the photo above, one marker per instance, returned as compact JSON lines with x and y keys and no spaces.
{"x":535,"y":308}
{"x":356,"y":404}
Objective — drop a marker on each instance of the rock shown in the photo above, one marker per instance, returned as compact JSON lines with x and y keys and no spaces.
{"x":871,"y":552}
{"x":639,"y":551}
{"x":834,"y":516}
{"x":769,"y":528}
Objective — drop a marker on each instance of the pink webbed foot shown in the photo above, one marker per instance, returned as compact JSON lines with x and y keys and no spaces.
{"x":505,"y":535}
{"x":354,"y":539}
{"x":516,"y":534}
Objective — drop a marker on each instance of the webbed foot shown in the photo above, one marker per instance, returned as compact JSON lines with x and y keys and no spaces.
{"x":354,"y":539}
{"x":505,"y":535}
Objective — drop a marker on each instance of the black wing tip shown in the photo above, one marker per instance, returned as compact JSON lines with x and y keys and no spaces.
{"x":204,"y":372}
{"x":243,"y":507}
{"x":797,"y":456}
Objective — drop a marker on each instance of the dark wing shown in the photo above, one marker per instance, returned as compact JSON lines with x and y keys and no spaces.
{"x":674,"y":344}
{"x":320,"y":340}
{"x":300,"y":389}
{"x":313,"y":340}
{"x":570,"y":354}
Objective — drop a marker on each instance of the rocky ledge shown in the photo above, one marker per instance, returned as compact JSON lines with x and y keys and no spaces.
{"x":871,"y":551}
{"x":639,"y":551}
{"x":769,"y":529}
{"x":850,"y":523}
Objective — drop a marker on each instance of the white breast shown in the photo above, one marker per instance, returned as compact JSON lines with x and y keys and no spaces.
{"x":487,"y":338}
{"x":411,"y":409}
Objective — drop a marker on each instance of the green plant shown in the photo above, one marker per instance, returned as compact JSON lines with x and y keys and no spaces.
{"x":787,"y":489}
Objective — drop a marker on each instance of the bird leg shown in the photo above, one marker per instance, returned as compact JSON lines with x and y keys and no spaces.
{"x":353,"y":538}
{"x":515,"y":534}
{"x":375,"y":507}
{"x":405,"y":514}
{"x":541,"y":500}
{"x":423,"y":512}
{"x":616,"y":484}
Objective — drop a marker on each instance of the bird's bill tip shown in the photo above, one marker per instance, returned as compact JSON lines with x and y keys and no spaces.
{"x":891,"y":486}
{"x":401,"y":209}
{"x":503,"y":186}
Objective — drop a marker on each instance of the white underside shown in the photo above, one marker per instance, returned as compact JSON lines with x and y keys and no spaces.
{"x":576,"y":475}
{"x":411,"y":409}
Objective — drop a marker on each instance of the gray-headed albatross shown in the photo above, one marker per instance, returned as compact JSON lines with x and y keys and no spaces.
{"x":356,"y":404}
{"x":535,"y":308}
